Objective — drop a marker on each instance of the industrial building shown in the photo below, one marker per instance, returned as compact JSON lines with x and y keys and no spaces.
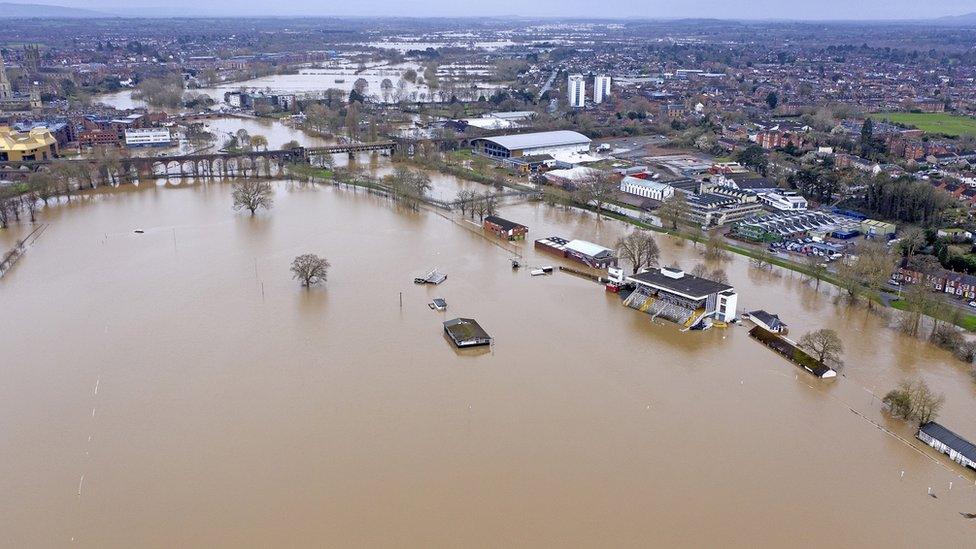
{"x":531,"y":144}
{"x":672,"y":294}
{"x":647,"y":188}
{"x":601,"y":88}
{"x":577,"y":91}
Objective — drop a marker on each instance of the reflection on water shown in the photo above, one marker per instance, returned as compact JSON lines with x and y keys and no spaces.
{"x":209,"y":400}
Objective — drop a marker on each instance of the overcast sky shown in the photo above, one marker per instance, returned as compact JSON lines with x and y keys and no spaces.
{"x":726,"y":9}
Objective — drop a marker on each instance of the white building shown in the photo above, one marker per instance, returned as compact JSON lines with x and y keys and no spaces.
{"x":148,"y":137}
{"x":528,"y":144}
{"x":601,"y":88}
{"x":577,"y":91}
{"x":785,"y":201}
{"x":682,"y":298}
{"x":648,"y":189}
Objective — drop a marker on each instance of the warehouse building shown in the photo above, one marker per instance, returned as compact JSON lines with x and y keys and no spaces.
{"x":554,"y":143}
{"x":646,"y":187}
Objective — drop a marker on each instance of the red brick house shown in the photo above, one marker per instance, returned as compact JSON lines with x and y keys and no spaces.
{"x":505,"y":228}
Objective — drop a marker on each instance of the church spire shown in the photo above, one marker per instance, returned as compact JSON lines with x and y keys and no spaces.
{"x":5,"y":90}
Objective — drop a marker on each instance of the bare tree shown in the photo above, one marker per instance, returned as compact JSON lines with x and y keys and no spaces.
{"x":816,"y":269}
{"x":700,"y":270}
{"x":674,"y":209}
{"x":252,"y":195}
{"x":719,"y":275}
{"x":919,"y":302}
{"x":825,"y":345}
{"x":640,"y":249}
{"x":485,"y":205}
{"x":913,"y":239}
{"x":713,"y":246}
{"x":913,"y":400}
{"x":873,"y":267}
{"x":763,"y":260}
{"x":408,"y":186}
{"x":310,"y":269}
{"x":463,"y":201}
{"x":597,"y":189}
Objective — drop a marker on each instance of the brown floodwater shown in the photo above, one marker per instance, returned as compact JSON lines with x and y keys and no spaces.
{"x":178,"y":389}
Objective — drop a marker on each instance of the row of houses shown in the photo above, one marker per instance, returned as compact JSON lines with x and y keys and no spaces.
{"x":919,"y":270}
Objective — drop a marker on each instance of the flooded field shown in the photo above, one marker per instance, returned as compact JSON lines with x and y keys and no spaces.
{"x":178,"y":388}
{"x":384,"y":84}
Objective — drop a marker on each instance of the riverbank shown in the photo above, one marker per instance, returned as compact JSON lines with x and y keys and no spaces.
{"x":964,"y":320}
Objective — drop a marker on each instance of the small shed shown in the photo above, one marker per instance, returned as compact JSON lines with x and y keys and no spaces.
{"x":466,"y":332}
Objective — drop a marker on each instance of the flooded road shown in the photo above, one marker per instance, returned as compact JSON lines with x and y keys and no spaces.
{"x":178,"y":388}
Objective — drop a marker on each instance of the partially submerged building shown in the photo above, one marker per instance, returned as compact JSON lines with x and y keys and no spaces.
{"x":587,"y":253}
{"x":957,"y":448}
{"x":505,"y":228}
{"x":466,"y":332}
{"x":769,"y":322}
{"x":791,"y":351}
{"x":686,"y":299}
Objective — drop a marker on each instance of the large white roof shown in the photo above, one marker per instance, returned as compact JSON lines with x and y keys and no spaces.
{"x":646,"y":183}
{"x":539,"y":140}
{"x":587,"y":248}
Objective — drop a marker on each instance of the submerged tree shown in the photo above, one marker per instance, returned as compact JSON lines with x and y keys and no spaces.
{"x":251,"y":195}
{"x":824,"y":344}
{"x":914,"y":401}
{"x":310,"y":269}
{"x":640,"y":249}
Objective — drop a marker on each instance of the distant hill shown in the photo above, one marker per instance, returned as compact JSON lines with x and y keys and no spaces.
{"x":12,"y":10}
{"x":964,"y":19}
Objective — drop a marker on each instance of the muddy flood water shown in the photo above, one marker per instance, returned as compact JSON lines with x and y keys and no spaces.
{"x":178,"y":389}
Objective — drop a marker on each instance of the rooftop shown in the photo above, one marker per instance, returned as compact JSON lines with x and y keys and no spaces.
{"x":950,"y":439}
{"x":539,"y":139}
{"x":503,"y":223}
{"x":687,"y":285}
{"x":466,"y":332}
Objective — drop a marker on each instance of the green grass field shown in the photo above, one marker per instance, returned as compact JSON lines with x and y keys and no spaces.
{"x":934,"y":122}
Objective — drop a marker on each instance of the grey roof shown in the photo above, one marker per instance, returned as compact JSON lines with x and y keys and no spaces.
{"x":466,"y":331}
{"x":950,"y":439}
{"x":539,"y":139}
{"x":688,"y":285}
{"x":771,"y":320}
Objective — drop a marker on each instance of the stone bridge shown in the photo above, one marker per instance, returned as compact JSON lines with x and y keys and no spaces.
{"x":223,"y":164}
